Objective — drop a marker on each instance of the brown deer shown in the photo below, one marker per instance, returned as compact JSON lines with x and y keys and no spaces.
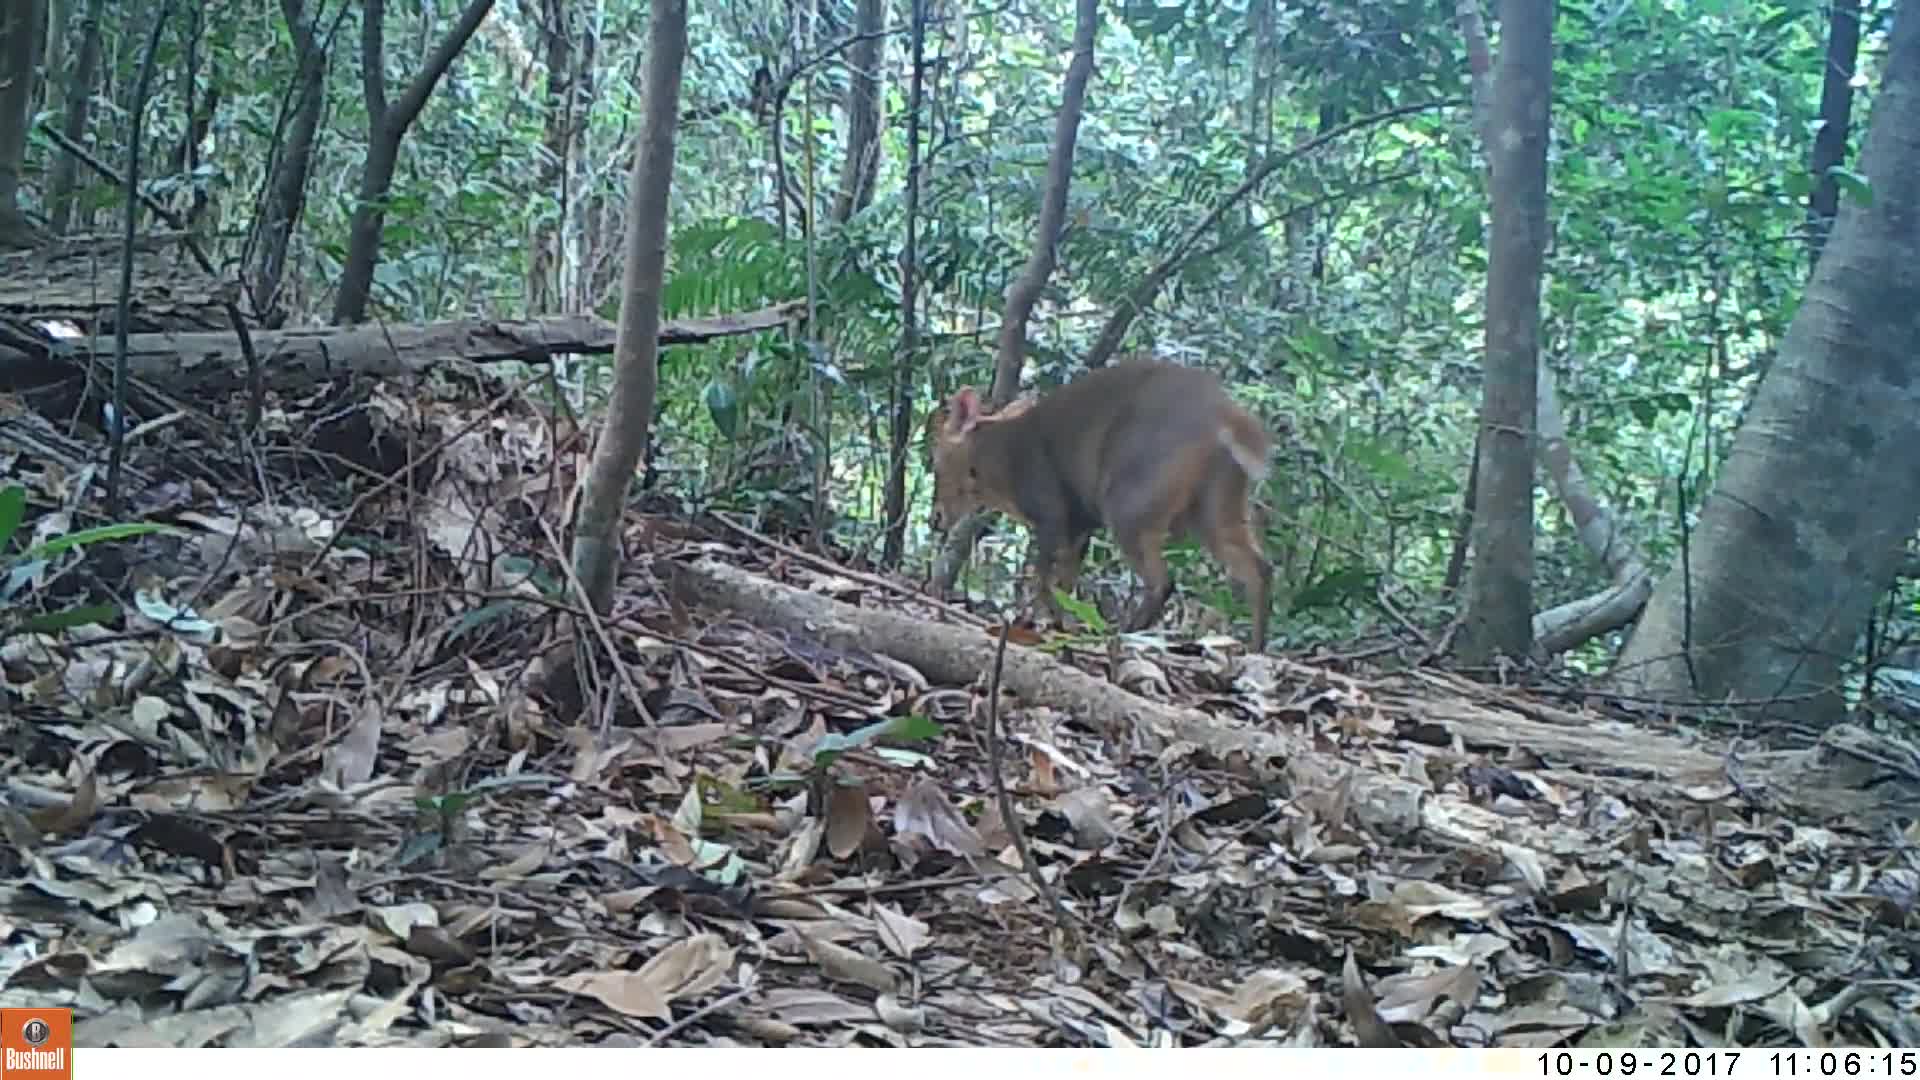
{"x":1152,"y":451}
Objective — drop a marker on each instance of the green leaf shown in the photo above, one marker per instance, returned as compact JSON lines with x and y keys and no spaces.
{"x":912,"y":726}
{"x":1082,"y":610}
{"x":1797,"y":184}
{"x":13,"y":507}
{"x":719,"y":797}
{"x":724,"y":407}
{"x":83,"y":615}
{"x":479,"y":617}
{"x":1725,"y":122}
{"x":95,"y":535}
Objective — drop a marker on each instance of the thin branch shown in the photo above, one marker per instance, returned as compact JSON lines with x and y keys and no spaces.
{"x":443,"y":57}
{"x":117,"y":423}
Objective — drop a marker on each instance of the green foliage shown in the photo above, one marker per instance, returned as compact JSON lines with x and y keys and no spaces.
{"x":1081,"y":610}
{"x":910,"y":728}
{"x":1345,"y":292}
{"x":25,"y":572}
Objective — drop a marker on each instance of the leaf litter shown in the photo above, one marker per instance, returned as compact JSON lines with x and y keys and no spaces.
{"x":312,"y":791}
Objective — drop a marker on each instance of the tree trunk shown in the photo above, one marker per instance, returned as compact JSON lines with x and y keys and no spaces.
{"x":862,"y":163}
{"x":200,"y":110}
{"x":1011,"y":351}
{"x":569,"y":47}
{"x":76,"y":103}
{"x":1463,"y":526}
{"x":57,"y":18}
{"x":1578,"y":620}
{"x":596,"y":543}
{"x":1025,"y":292}
{"x":287,"y":187}
{"x":900,"y":433}
{"x":1805,"y":525}
{"x":1836,"y":117}
{"x":1499,"y":598}
{"x":18,"y":21}
{"x":386,"y":126}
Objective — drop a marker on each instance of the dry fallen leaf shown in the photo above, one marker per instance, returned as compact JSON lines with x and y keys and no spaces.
{"x":73,"y":816}
{"x":900,"y":933}
{"x":351,"y":761}
{"x":848,"y":814}
{"x":1373,"y":1032}
{"x":924,"y":811}
{"x":689,"y":966}
{"x":847,"y":965}
{"x":626,"y":992}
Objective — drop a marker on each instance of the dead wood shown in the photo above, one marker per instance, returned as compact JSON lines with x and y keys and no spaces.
{"x":828,"y":566}
{"x":74,"y":280}
{"x":1853,"y":777}
{"x":1582,"y":749}
{"x":211,"y":363}
{"x":956,"y":655}
{"x":952,"y":655}
{"x":1486,"y":717}
{"x":27,"y":433}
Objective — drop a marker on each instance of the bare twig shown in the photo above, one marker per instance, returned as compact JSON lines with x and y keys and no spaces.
{"x":1007,"y":814}
{"x":599,"y":626}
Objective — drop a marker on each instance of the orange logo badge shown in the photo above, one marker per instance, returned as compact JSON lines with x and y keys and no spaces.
{"x":36,"y":1044}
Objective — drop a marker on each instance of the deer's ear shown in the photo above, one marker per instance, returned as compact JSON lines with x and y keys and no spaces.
{"x":963,"y":412}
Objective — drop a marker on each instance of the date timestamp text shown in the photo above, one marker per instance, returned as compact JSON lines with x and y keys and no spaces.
{"x":1717,"y":1064}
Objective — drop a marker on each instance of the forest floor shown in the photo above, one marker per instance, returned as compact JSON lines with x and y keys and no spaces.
{"x":310,"y":793}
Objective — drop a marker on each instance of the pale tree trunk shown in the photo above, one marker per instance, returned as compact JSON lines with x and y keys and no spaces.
{"x":19,"y":19}
{"x":386,"y":125}
{"x":1805,"y":525}
{"x":580,"y":251}
{"x":1262,"y":60}
{"x":1563,"y":627}
{"x":895,"y":502}
{"x":75,"y":105}
{"x":1025,"y":291}
{"x":1836,"y":119}
{"x":286,"y":193}
{"x":1601,"y":533}
{"x":570,"y":44}
{"x":1499,"y":595}
{"x":596,"y":543}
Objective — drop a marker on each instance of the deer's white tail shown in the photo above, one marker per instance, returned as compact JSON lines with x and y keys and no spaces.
{"x":1250,"y":446}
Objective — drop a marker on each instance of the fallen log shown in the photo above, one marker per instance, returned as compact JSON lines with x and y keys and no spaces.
{"x":958,"y":655}
{"x":203,"y":363}
{"x":1821,"y":783}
